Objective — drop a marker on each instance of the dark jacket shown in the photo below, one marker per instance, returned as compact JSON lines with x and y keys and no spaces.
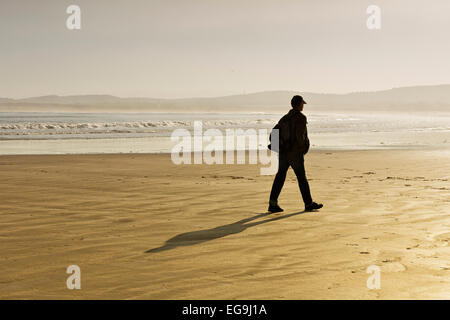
{"x":297,"y":123}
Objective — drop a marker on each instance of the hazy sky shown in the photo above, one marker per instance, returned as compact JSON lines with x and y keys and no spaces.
{"x":184,"y":48}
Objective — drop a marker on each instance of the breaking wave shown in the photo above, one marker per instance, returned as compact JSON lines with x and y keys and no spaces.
{"x":27,"y":128}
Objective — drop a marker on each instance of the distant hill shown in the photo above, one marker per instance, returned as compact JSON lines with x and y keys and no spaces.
{"x":420,"y":98}
{"x":4,"y":100}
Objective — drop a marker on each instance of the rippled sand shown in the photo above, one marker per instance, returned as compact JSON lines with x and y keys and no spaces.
{"x":140,"y":227}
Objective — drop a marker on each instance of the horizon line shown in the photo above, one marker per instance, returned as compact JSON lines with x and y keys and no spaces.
{"x":224,"y":96}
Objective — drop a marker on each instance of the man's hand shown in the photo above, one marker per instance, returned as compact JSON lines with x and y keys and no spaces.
{"x":306,"y":146}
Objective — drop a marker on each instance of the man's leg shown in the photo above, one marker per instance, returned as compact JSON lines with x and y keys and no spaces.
{"x":278,"y":182}
{"x":298,"y":164}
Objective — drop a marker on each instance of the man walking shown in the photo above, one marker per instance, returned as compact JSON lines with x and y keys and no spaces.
{"x":291,"y":155}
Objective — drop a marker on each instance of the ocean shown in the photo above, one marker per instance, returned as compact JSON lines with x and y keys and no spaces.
{"x":80,"y":133}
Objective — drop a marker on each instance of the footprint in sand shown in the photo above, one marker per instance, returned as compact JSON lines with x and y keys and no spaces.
{"x":442,"y":236}
{"x":124,"y":220}
{"x":390,"y":266}
{"x":413,"y":247}
{"x":442,"y":239}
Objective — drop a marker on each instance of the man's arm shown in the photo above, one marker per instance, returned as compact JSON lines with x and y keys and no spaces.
{"x":301,"y":129}
{"x":302,"y":135}
{"x":306,"y":143}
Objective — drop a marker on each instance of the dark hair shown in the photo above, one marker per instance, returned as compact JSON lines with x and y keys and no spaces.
{"x":296,"y":101}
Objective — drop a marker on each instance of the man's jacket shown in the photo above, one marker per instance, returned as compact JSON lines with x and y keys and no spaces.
{"x":298,"y":134}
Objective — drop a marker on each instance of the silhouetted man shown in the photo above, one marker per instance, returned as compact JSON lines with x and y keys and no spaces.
{"x":295,"y":147}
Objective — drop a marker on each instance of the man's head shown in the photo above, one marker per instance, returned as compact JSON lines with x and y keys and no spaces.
{"x":297,"y":102}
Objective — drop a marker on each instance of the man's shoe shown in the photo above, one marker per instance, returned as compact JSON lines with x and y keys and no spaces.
{"x":274,"y":209}
{"x":313,"y":206}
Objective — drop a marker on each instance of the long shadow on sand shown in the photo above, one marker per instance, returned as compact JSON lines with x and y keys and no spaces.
{"x":196,"y":237}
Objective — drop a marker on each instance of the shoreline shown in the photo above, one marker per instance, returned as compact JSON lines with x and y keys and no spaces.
{"x":144,"y":145}
{"x":315,"y":150}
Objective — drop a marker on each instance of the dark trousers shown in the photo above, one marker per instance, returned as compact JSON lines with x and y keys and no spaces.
{"x":296,"y":161}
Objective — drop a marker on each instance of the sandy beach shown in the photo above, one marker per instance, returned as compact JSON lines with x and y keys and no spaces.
{"x":140,"y":227}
